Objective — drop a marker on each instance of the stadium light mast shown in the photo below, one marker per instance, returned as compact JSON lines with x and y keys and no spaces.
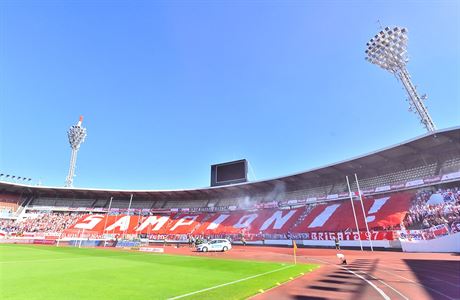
{"x":76,"y":135}
{"x":388,"y":50}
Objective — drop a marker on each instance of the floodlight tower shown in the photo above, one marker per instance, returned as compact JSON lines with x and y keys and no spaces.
{"x":76,"y":135}
{"x":388,"y":50}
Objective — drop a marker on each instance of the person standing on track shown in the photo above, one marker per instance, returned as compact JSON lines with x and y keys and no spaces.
{"x":337,"y":244}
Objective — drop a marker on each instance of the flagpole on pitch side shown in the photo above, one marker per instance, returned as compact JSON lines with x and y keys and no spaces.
{"x":364,"y":213}
{"x":294,"y":244}
{"x":354,"y":213}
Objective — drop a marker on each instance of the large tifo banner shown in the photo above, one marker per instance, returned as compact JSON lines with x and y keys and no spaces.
{"x":338,"y":216}
{"x":267,"y":221}
{"x":332,"y":217}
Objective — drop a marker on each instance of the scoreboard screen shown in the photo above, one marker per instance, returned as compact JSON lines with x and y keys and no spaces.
{"x":229,"y":172}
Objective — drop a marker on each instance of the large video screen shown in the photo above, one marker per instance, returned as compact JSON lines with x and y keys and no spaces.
{"x":229,"y":172}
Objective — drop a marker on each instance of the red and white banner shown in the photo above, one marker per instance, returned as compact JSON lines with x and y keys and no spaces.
{"x":429,"y":233}
{"x":338,"y":216}
{"x":266,"y":221}
{"x":350,"y":236}
{"x":44,"y":242}
{"x":334,"y":217}
{"x":440,"y":230}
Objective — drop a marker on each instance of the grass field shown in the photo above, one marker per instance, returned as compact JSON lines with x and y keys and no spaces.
{"x":41,"y":272}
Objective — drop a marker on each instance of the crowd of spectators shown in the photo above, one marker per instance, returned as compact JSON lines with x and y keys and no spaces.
{"x":430,"y":207}
{"x":40,"y":222}
{"x":433,"y":207}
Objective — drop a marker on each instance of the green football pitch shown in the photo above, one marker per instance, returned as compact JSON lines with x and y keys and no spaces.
{"x":41,"y":272}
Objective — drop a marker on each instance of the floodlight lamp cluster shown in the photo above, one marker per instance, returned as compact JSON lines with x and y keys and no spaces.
{"x":388,"y":49}
{"x":14,"y":178}
{"x":76,"y":135}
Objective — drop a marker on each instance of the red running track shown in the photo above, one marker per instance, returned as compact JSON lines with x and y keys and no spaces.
{"x":368,"y":275}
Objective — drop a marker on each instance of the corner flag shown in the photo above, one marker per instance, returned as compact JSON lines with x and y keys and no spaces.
{"x":294,"y":244}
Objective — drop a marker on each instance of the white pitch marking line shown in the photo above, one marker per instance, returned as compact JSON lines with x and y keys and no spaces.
{"x":229,"y":283}
{"x":385,"y":296}
{"x":383,"y":282}
{"x":382,"y":293}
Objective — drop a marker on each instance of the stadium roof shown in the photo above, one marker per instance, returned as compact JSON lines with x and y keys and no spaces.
{"x":428,"y":148}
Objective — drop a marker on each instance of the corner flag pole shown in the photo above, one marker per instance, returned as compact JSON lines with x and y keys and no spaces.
{"x":294,"y":244}
{"x":354,"y":213}
{"x":364,"y":213}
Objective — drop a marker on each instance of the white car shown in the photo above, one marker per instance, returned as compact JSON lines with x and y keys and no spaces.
{"x":215,"y":245}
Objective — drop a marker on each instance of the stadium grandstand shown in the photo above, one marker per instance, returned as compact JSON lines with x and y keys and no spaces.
{"x":408,"y":190}
{"x":172,"y":85}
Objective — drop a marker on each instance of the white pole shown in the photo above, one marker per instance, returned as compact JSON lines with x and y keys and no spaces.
{"x":107,"y":218}
{"x":364,"y":213}
{"x":116,"y":219}
{"x":81,"y":239}
{"x":60,"y":236}
{"x":130,"y":201}
{"x":149,"y":228}
{"x":354,"y":214}
{"x":139,"y":221}
{"x":129,"y":207}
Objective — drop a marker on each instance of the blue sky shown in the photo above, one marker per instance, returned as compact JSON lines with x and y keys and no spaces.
{"x":168,"y":88}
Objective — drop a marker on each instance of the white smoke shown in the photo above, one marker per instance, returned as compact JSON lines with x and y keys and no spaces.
{"x":277,"y":194}
{"x":245,"y":202}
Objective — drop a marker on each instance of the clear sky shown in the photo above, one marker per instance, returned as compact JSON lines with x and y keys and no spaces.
{"x":168,"y":88}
